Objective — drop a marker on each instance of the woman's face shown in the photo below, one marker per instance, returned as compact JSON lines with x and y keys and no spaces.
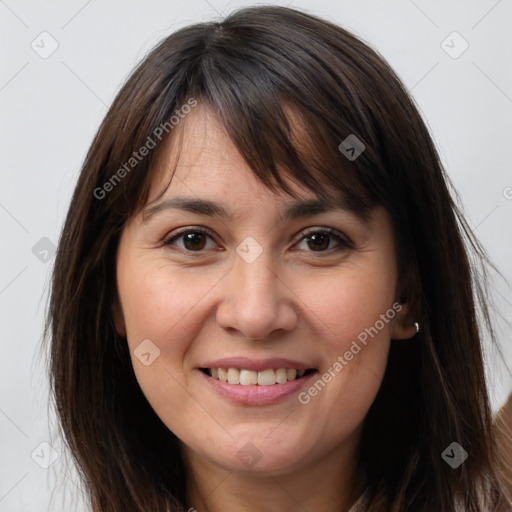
{"x":256,"y":294}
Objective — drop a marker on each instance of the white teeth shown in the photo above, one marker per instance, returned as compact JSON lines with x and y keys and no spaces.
{"x":233,"y":376}
{"x":266,"y":378}
{"x":281,"y":376}
{"x":291,"y":373}
{"x":250,"y":378}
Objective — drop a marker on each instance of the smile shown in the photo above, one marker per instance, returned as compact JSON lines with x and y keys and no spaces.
{"x":256,"y":388}
{"x":245,"y":377}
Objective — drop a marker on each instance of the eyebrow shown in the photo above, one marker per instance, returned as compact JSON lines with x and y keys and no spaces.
{"x":298,"y":209}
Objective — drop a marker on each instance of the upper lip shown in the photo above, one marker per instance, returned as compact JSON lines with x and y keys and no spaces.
{"x":256,"y":365}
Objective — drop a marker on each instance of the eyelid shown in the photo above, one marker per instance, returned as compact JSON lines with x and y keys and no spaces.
{"x":342,"y":238}
{"x":181,"y":231}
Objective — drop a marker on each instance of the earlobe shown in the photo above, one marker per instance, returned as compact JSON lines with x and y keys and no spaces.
{"x":404,"y":328}
{"x":118,"y":317}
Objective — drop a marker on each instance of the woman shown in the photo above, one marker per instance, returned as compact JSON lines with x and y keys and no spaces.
{"x":262,"y":298}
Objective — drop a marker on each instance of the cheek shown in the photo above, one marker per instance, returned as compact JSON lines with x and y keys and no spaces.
{"x":350,"y":303}
{"x":166,"y":306}
{"x":162,"y":305}
{"x":354,"y":314}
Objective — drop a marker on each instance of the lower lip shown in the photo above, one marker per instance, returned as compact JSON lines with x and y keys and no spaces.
{"x":258,"y":395}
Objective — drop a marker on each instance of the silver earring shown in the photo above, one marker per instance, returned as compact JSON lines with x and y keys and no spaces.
{"x":417,"y":325}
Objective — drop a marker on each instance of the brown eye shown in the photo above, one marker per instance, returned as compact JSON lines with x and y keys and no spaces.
{"x":318,"y":241}
{"x":192,"y":240}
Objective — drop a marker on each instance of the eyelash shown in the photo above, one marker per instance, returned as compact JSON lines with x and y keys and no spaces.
{"x":343,"y":241}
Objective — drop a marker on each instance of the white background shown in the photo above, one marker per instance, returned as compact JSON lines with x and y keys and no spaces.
{"x":51,"y":108}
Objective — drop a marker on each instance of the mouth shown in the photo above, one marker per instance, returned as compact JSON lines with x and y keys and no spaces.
{"x":260,"y":386}
{"x":267,"y":377}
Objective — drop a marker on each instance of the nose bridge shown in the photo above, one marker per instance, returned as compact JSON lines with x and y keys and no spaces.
{"x":255,"y":303}
{"x":256,"y":281}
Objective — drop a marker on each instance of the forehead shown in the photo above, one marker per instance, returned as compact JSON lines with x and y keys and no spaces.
{"x":199,"y":156}
{"x":199,"y":159}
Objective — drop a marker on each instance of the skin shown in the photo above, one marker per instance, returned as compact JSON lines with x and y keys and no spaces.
{"x":293,"y":301}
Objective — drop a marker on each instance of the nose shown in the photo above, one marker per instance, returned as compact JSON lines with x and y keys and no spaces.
{"x":255,"y":300}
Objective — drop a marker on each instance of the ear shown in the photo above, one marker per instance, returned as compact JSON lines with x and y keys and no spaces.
{"x":117,"y":315}
{"x":403,"y":326}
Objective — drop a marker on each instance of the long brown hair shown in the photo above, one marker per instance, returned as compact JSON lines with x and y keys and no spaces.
{"x":249,"y":69}
{"x":503,"y":427}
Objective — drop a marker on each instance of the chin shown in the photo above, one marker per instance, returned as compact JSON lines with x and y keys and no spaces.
{"x":261,"y":453}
